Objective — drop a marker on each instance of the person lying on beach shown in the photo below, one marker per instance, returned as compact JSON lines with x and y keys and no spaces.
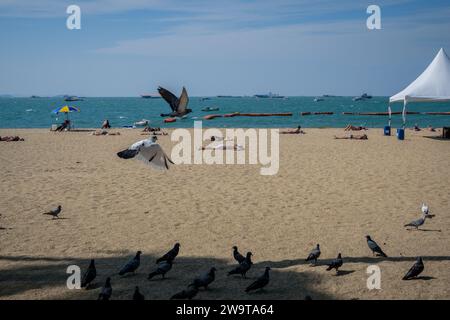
{"x":354,"y":128}
{"x":155,"y":133}
{"x":105,"y":133}
{"x":11,"y":138}
{"x":150,"y":129}
{"x":106,"y":124}
{"x":63,"y":126}
{"x":354,"y":137}
{"x":431,"y":129}
{"x":235,"y":147}
{"x":214,"y":138}
{"x":293,"y":131}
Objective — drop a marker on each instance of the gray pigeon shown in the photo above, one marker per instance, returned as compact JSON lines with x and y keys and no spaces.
{"x":417,"y":223}
{"x":171,"y":255}
{"x":132,"y":265}
{"x":106,"y":292}
{"x":137,"y":296}
{"x":54,"y":212}
{"x":314,"y":254}
{"x":336,"y":264}
{"x":415,"y":270}
{"x":206,"y":279}
{"x":162,"y":269}
{"x":89,"y":276}
{"x":243,"y":267}
{"x":189,"y":293}
{"x":375,"y":247}
{"x":260,"y":283}
{"x":237,"y":256}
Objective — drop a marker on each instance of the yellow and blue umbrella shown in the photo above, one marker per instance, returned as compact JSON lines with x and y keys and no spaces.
{"x":66,"y":109}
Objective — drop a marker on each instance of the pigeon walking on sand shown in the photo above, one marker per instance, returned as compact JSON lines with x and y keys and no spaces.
{"x":171,"y":255}
{"x":376,"y":250}
{"x":89,"y":275}
{"x":415,"y":270}
{"x":188,"y":294}
{"x":106,"y":291}
{"x":260,"y":283}
{"x":162,"y":269}
{"x":243,"y":267}
{"x":204,"y":280}
{"x":417,"y":223}
{"x":149,"y":152}
{"x":132,"y":265}
{"x":336,"y":264}
{"x":314,"y":255}
{"x":237,"y":256}
{"x":54,"y":212}
{"x":137,"y":295}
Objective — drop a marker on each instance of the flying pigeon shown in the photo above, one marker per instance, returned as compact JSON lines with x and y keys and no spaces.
{"x":137,"y":296}
{"x":189,"y":293}
{"x":336,"y":264}
{"x":237,"y":256}
{"x":162,"y":269}
{"x":260,"y":283}
{"x":89,"y":275}
{"x":132,"y":265}
{"x":417,"y":223}
{"x":243,"y":267}
{"x":415,"y":270}
{"x":106,"y":292}
{"x":205,"y":279}
{"x":171,"y":255}
{"x":54,"y":212}
{"x":149,"y":152}
{"x":178,"y":105}
{"x":375,"y":247}
{"x":314,"y":254}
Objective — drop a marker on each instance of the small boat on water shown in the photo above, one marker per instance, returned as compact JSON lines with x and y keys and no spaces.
{"x":72,"y":98}
{"x":270,"y":95}
{"x":141,"y":123}
{"x":365,"y":96}
{"x":169,"y":120}
{"x":318,"y":99}
{"x":208,"y":109}
{"x":150,"y":96}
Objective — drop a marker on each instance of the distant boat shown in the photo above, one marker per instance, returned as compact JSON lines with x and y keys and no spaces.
{"x":150,"y":96}
{"x":365,"y":96}
{"x":72,"y":98}
{"x":205,"y":99}
{"x":318,"y":99}
{"x":208,"y":109}
{"x":141,"y":123}
{"x":270,"y":95}
{"x":35,"y":97}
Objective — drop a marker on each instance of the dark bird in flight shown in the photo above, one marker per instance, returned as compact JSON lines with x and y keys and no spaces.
{"x":243,"y":267}
{"x":171,"y":255}
{"x":260,"y":283}
{"x":336,"y":263}
{"x":375,"y":247}
{"x":415,"y":270}
{"x":106,"y":292}
{"x":137,"y":296}
{"x":162,"y":269}
{"x":149,"y":152}
{"x":204,"y":280}
{"x":237,"y":256}
{"x":54,"y":212}
{"x":189,"y":293}
{"x":89,"y":275}
{"x":178,"y":105}
{"x":132,"y":265}
{"x":314,"y":255}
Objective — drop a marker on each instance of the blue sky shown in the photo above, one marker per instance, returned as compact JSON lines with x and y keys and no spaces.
{"x":236,"y":47}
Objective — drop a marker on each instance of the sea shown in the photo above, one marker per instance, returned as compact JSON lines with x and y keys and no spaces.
{"x":124,"y":112}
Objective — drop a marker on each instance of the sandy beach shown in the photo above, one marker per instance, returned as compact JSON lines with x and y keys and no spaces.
{"x":327,"y":191}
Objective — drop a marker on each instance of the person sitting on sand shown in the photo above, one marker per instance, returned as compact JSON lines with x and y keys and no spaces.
{"x":354,"y":128}
{"x":106,"y":124}
{"x":431,"y":128}
{"x":354,"y":137}
{"x":294,"y":131}
{"x":416,"y":127}
{"x":11,"y":138}
{"x":63,"y":126}
{"x":150,"y":129}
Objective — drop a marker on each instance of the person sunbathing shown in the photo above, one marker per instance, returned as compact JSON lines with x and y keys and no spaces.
{"x":354,"y":137}
{"x":431,"y":128}
{"x":294,"y":131}
{"x":105,"y":133}
{"x":106,"y":124}
{"x":11,"y":138}
{"x":416,"y":127}
{"x":354,"y":128}
{"x":150,"y":129}
{"x":234,"y":146}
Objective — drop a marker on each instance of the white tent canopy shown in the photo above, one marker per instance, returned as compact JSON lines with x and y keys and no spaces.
{"x":431,"y":86}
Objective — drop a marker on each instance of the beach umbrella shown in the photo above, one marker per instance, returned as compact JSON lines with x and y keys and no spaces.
{"x":66,"y":110}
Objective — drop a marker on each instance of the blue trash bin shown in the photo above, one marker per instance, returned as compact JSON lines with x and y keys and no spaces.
{"x":401,"y":134}
{"x":387,"y":131}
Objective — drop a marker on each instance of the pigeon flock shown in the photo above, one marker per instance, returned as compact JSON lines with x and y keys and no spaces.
{"x":244,"y":263}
